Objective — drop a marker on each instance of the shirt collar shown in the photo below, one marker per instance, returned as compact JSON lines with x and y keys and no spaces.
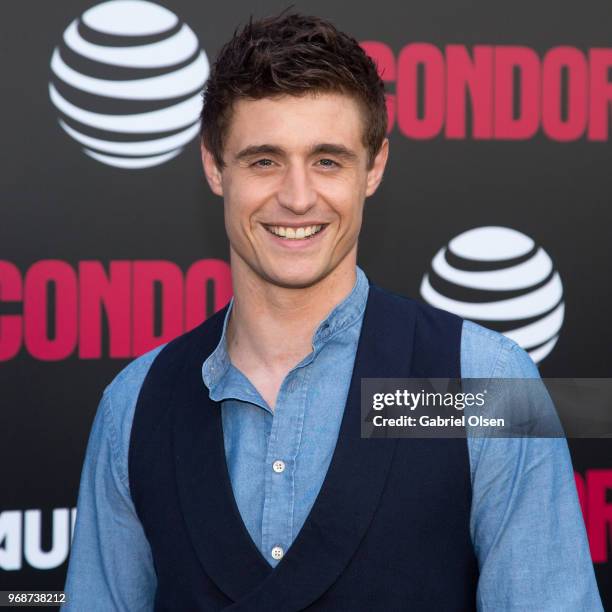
{"x":342,"y":316}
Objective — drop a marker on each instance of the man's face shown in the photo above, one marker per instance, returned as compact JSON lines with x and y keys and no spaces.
{"x":294,"y":185}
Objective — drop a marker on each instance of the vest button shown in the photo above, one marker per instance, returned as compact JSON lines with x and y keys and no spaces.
{"x":277,"y":552}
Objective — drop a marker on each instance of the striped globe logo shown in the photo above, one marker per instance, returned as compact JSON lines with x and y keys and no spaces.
{"x":500,"y":278}
{"x":126,"y":80}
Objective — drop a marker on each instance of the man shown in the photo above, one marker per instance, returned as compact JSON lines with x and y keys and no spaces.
{"x":225,"y":470}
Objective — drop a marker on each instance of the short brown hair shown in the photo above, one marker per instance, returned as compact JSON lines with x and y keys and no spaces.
{"x":291,"y":54}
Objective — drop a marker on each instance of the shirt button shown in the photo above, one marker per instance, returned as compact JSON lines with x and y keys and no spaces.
{"x":278,"y":466}
{"x":277,"y":552}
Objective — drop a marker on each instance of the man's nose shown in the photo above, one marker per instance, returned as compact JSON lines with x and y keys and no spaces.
{"x":296,"y":191}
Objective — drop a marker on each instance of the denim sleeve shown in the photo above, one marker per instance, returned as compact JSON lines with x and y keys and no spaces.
{"x":111,"y":566}
{"x":526,"y":523}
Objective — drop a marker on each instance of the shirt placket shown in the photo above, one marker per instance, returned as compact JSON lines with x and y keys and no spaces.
{"x":279,"y":484}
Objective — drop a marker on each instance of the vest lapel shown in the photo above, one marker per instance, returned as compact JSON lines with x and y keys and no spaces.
{"x":220,"y":538}
{"x":348,"y":497}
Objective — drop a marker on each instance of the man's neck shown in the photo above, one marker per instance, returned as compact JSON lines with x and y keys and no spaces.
{"x":271,"y":327}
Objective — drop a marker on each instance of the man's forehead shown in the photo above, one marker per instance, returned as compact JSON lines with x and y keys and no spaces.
{"x":295,"y":121}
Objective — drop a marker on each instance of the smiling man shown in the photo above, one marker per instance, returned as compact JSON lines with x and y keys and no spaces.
{"x":225,"y":470}
{"x":294,"y":184}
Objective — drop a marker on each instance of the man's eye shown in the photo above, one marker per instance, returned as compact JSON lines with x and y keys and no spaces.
{"x":262,"y":163}
{"x":328,"y":163}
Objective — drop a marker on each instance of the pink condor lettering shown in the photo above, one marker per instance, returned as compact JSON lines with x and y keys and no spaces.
{"x":141,"y":303}
{"x":513,"y":92}
{"x":593,"y":492}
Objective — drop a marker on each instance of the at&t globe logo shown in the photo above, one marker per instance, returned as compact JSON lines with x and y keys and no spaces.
{"x":500,"y":278}
{"x":127,"y":80}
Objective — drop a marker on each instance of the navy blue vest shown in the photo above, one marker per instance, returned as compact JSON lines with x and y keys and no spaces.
{"x":389,"y":529}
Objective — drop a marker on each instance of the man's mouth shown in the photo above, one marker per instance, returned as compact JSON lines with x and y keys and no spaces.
{"x":303,"y":232}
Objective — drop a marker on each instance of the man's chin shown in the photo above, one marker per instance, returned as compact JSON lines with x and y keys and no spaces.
{"x":295,"y":279}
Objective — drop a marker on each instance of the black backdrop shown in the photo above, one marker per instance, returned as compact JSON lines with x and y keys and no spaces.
{"x":61,"y":205}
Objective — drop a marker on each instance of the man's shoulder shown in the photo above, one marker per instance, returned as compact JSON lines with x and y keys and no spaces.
{"x":121,"y":395}
{"x":486,"y":353}
{"x":127,"y":383}
{"x":129,"y":379}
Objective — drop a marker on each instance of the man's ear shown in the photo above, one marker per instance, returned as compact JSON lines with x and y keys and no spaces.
{"x":376,"y":173}
{"x":211,"y":171}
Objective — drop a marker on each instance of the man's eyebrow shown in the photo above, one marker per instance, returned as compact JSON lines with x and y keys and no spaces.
{"x":334,"y":149}
{"x":253,"y":150}
{"x":318,"y":149}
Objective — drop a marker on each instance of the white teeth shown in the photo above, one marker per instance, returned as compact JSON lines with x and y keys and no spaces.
{"x":292,"y":233}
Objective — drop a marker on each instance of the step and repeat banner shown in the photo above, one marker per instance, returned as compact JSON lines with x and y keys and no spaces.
{"x":111,"y":243}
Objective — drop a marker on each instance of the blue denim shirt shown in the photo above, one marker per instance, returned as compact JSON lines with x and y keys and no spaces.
{"x":525,"y":522}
